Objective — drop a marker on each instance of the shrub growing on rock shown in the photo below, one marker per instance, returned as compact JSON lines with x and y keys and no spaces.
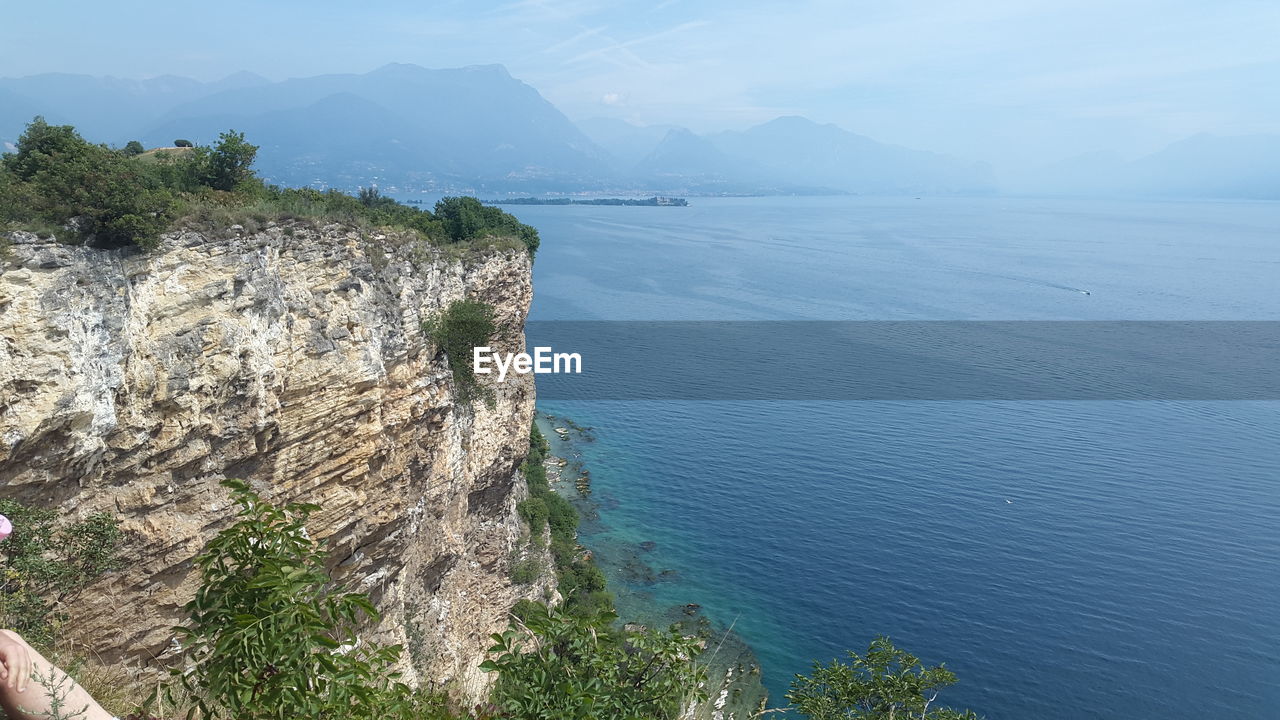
{"x":464,"y":325}
{"x":58,"y":177}
{"x":555,"y":665}
{"x":270,"y":636}
{"x":466,"y":219}
{"x":47,"y":563}
{"x":228,"y":163}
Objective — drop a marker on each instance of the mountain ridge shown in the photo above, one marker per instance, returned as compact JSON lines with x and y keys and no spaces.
{"x":469,"y":129}
{"x":478,"y":129}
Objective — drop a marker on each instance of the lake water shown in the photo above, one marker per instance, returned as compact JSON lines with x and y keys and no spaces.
{"x":1100,"y":559}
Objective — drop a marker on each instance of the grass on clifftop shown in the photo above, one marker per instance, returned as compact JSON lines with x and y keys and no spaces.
{"x":59,"y":183}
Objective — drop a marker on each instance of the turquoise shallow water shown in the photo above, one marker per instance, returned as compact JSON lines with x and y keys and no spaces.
{"x":1066,"y":559}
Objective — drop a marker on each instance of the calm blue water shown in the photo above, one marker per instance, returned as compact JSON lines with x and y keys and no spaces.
{"x":1066,"y":560}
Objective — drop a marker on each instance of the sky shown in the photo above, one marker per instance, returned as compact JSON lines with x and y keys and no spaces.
{"x":1014,"y":82}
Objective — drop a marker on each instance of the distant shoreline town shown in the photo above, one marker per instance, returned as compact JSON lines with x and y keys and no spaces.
{"x":656,"y":201}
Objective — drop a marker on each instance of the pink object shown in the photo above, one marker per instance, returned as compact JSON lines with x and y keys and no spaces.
{"x":6,"y":527}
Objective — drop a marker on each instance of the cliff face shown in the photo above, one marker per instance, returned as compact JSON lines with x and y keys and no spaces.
{"x":291,"y":357}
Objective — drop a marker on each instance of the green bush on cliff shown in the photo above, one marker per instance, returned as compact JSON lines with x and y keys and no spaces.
{"x":466,"y":218}
{"x":58,"y":177}
{"x":553,"y":664}
{"x":464,"y":325}
{"x":271,"y":636}
{"x":581,"y":583}
{"x":534,"y":512}
{"x":228,"y":163}
{"x":561,"y":516}
{"x":47,"y":564}
{"x":526,"y":572}
{"x":17,"y":199}
{"x":130,"y":196}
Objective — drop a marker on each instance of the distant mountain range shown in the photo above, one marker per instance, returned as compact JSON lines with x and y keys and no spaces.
{"x":479,"y":130}
{"x":786,"y":155}
{"x":1204,"y":166}
{"x":473,"y":128}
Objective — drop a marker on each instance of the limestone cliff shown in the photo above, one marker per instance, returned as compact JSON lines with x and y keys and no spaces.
{"x":291,"y":356}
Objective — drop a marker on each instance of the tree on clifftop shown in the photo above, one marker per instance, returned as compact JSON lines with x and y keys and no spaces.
{"x":230,"y":161}
{"x":466,"y":218}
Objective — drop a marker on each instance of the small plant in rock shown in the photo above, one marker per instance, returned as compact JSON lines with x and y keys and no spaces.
{"x":464,"y":325}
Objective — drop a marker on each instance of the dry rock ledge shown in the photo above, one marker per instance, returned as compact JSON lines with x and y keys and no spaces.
{"x":292,"y":357}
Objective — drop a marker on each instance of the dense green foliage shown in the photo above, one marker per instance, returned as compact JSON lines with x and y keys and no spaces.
{"x":129,"y":196}
{"x":465,"y":218}
{"x":228,"y":163}
{"x":46,"y":564}
{"x":884,"y":684}
{"x":554,"y":664}
{"x":581,"y":582}
{"x":270,"y":636}
{"x":56,"y":175}
{"x":526,"y":571}
{"x":464,"y":325}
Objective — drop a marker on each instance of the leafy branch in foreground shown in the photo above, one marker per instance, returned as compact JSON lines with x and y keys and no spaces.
{"x":556,"y":665}
{"x":270,"y":636}
{"x":885,"y":684}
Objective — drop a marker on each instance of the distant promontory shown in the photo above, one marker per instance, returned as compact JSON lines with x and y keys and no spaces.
{"x":657,"y":201}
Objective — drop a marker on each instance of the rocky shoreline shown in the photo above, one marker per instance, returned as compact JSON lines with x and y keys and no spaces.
{"x":735,"y":690}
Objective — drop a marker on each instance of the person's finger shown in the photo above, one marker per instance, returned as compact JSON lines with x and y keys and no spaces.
{"x":24,"y":667}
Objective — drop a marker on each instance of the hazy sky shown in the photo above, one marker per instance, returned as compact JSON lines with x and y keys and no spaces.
{"x":1011,"y":81}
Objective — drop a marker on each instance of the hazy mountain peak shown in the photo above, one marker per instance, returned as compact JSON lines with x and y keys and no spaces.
{"x":680,"y":135}
{"x":792,"y":121}
{"x":414,"y":70}
{"x":683,"y":153}
{"x":627,"y":142}
{"x":398,"y":67}
{"x":802,"y":152}
{"x":241,"y":78}
{"x":494,"y":69}
{"x":1202,"y":165}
